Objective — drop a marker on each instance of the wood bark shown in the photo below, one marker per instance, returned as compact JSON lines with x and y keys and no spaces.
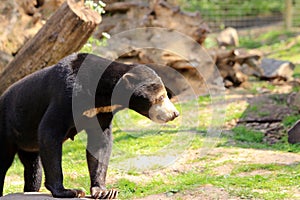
{"x":128,"y":14}
{"x":65,"y":32}
{"x":229,"y":63}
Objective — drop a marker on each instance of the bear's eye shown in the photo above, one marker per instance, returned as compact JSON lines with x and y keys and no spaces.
{"x":160,"y":98}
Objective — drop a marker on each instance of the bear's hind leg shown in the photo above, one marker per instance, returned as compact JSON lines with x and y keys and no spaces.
{"x":7,"y":154}
{"x":32,"y":170}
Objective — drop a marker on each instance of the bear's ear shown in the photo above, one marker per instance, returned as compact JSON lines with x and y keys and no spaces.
{"x":129,"y":80}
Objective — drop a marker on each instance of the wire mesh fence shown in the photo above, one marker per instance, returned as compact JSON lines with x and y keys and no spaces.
{"x":242,"y":13}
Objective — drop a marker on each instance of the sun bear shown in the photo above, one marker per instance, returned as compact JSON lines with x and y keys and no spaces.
{"x":36,"y":117}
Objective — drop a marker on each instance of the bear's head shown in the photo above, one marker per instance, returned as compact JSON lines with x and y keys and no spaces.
{"x":147,"y":94}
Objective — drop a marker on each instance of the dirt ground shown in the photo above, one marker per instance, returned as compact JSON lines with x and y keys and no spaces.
{"x":236,"y":156}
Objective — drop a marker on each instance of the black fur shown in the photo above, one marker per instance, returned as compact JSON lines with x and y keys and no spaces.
{"x":36,"y":117}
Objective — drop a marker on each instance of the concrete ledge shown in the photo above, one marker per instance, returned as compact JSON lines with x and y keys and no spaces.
{"x":34,"y":196}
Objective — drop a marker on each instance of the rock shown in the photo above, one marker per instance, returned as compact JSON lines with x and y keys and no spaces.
{"x":273,"y":69}
{"x":294,"y":133}
{"x":34,"y":196}
{"x":293,"y":100}
{"x":228,"y":38}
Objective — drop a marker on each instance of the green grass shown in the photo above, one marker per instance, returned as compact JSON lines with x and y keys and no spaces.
{"x":242,"y":186}
{"x":244,"y":134}
{"x":244,"y":137}
{"x":234,"y":111}
{"x":290,"y":120}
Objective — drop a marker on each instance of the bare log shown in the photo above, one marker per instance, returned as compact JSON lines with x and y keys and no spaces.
{"x":229,"y":63}
{"x":65,"y":32}
{"x":128,"y":14}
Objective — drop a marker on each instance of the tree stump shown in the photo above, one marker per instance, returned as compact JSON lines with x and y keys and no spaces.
{"x":65,"y":32}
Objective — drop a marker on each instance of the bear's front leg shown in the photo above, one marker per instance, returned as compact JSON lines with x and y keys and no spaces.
{"x":51,"y":132}
{"x":98,"y":153}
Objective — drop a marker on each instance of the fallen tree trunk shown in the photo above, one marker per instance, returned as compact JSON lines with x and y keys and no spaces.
{"x":122,"y":15}
{"x":64,"y":33}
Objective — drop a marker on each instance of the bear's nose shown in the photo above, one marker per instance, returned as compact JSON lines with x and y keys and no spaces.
{"x":175,"y":114}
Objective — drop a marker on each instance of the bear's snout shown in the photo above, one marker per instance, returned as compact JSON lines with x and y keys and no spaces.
{"x":163,"y":111}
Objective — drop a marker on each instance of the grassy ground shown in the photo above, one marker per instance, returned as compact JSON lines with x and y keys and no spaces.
{"x":240,"y":166}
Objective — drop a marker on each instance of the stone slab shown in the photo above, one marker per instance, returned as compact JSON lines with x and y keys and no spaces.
{"x":35,"y":196}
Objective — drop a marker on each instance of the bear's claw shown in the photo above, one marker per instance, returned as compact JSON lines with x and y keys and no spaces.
{"x":97,"y":193}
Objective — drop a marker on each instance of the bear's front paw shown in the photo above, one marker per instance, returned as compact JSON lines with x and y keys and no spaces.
{"x":98,"y":193}
{"x":68,"y":193}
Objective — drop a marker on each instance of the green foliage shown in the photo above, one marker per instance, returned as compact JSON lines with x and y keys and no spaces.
{"x":269,"y":38}
{"x":296,"y":75}
{"x":93,"y":43}
{"x":219,"y":8}
{"x":290,"y":120}
{"x":98,"y":7}
{"x":275,"y":43}
{"x":290,"y":54}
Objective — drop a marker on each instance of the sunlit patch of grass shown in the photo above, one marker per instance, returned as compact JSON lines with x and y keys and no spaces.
{"x":291,"y":54}
{"x":14,"y":181}
{"x":254,"y":167}
{"x":259,"y":85}
{"x":142,"y":145}
{"x":271,"y":39}
{"x":235,"y":110}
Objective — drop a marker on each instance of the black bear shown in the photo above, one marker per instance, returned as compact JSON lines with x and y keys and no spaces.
{"x":36,"y":117}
